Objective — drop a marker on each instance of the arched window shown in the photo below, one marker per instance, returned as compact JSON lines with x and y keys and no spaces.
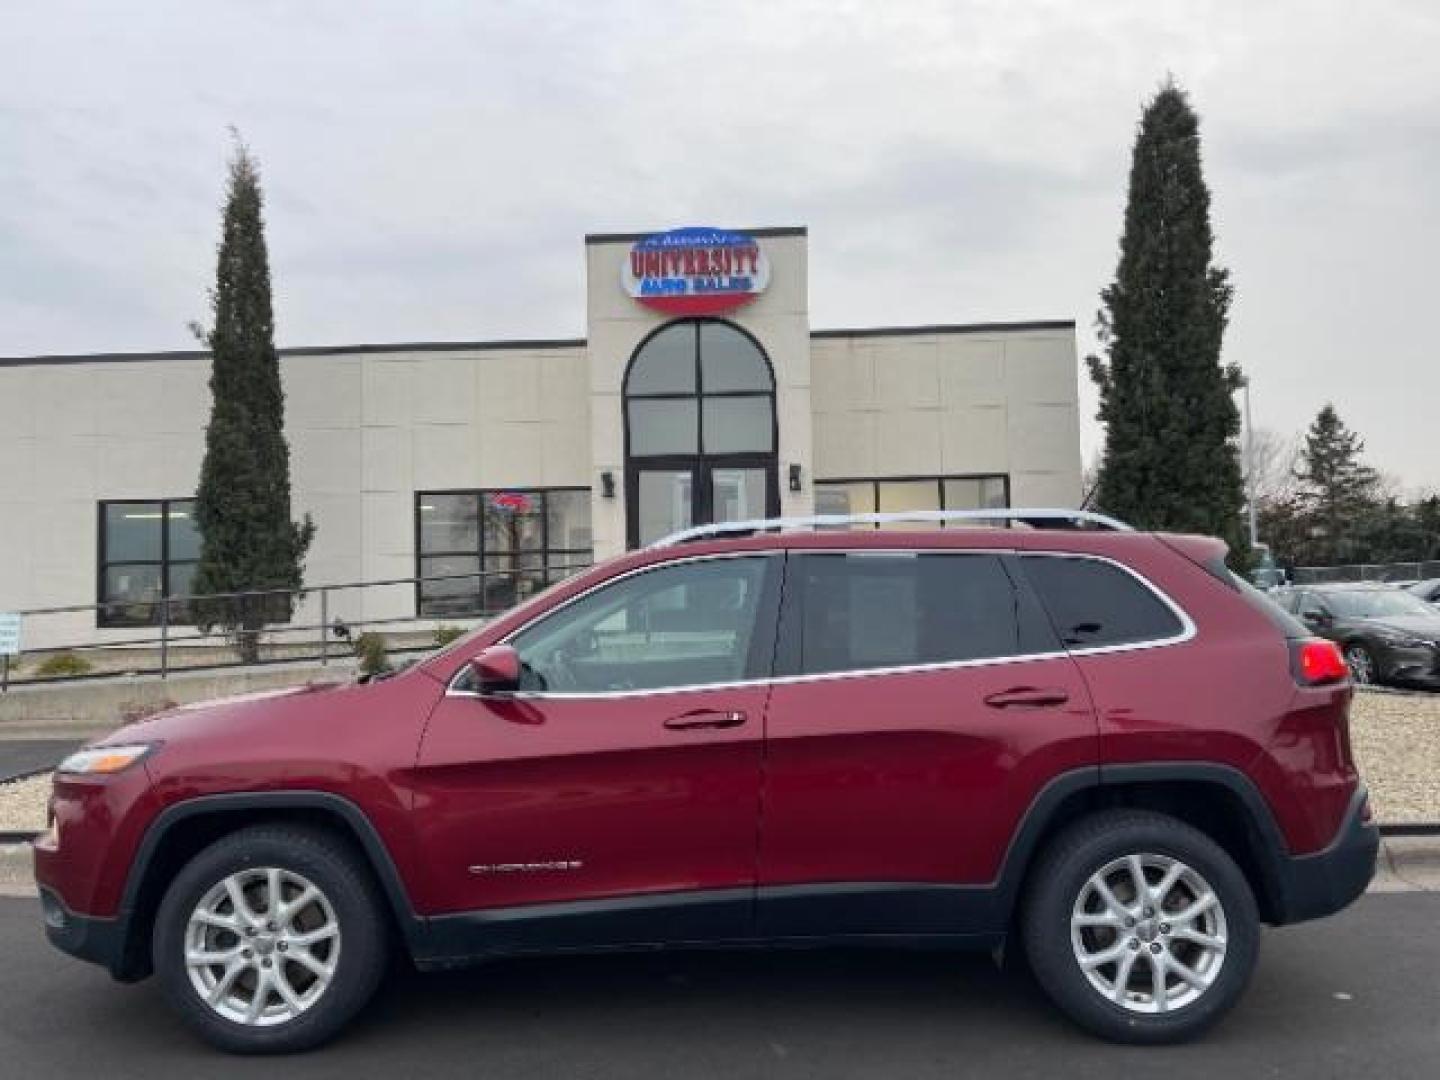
{"x":699,"y":401}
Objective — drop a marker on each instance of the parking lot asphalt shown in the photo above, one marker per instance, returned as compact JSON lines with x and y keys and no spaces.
{"x":1356,"y":995}
{"x":19,"y":757}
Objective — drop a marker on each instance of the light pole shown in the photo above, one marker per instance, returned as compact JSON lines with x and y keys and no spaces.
{"x":1250,"y":467}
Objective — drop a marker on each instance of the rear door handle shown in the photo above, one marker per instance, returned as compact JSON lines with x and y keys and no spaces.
{"x":1032,"y":697}
{"x":706,"y":718}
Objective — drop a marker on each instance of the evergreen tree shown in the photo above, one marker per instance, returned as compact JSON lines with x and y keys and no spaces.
{"x":248,"y":541}
{"x":1427,"y":518}
{"x":1170,"y":459}
{"x":1339,"y":493}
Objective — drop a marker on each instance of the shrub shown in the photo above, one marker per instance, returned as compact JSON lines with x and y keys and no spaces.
{"x":63,"y":665}
{"x":132,"y":712}
{"x":445,"y":634}
{"x":374,"y":659}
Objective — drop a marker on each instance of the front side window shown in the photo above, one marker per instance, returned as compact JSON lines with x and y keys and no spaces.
{"x":1094,"y":604}
{"x":861,"y":611}
{"x":690,"y":624}
{"x":148,"y":553}
{"x":481,"y":552}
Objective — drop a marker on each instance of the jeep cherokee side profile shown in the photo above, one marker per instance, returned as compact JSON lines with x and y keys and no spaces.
{"x":1098,"y":745}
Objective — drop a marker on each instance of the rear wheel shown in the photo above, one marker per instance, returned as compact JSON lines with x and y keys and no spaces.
{"x":270,"y":940}
{"x":1141,"y":928}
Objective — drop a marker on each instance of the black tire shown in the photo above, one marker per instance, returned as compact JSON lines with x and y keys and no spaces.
{"x":1364,"y":668}
{"x":322,"y":859}
{"x":1055,"y":885}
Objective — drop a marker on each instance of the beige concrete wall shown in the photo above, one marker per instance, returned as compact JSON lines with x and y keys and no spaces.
{"x":366,"y":431}
{"x":369,"y":428}
{"x":949,"y":403}
{"x":616,"y":324}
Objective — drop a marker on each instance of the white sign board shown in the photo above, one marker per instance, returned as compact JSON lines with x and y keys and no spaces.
{"x":9,"y":633}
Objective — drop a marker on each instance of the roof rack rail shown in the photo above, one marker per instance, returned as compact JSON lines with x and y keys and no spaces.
{"x":1051,"y":517}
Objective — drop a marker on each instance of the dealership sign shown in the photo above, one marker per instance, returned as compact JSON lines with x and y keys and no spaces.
{"x":512,"y":502}
{"x":695,"y":271}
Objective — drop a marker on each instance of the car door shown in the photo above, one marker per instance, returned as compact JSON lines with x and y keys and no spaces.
{"x":927,"y":703}
{"x":623,"y":777}
{"x":1316,"y":614}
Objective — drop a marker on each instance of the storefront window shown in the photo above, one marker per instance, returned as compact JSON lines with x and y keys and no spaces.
{"x":480,"y":552}
{"x":148,"y":552}
{"x":910,"y":494}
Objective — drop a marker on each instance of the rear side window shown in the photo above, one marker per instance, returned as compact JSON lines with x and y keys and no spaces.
{"x":883,"y":609}
{"x":1095,"y":604}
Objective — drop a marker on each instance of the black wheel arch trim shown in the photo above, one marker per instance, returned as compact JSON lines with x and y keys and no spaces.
{"x":359,"y":825}
{"x":1042,"y":809}
{"x":1296,"y":887}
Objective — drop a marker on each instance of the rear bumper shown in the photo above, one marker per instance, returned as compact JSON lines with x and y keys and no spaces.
{"x":1322,"y":883}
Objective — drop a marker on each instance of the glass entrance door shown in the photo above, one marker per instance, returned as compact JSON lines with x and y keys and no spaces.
{"x":678,"y":495}
{"x":663,"y":502}
{"x":700,"y":430}
{"x":738,"y":494}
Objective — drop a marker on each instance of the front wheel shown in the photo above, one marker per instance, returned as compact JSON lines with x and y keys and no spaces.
{"x":1361,"y":662}
{"x":270,"y":940}
{"x":1139,"y":927}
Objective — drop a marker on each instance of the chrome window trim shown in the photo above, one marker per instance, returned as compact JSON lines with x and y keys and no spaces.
{"x":1187,"y":632}
{"x":450,"y":691}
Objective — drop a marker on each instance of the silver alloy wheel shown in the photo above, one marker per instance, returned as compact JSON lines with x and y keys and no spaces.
{"x":261,"y":946}
{"x":1149,"y":933}
{"x":1361,"y":664}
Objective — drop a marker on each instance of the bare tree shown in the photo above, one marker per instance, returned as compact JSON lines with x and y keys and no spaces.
{"x":1277,"y":457}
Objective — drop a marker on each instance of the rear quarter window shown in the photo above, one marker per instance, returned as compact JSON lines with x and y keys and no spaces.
{"x":1095,"y":604}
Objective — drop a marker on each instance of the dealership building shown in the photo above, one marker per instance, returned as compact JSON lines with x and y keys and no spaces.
{"x":700,"y":392}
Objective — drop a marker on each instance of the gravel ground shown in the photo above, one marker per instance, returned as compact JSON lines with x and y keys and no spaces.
{"x":1396,"y":739}
{"x":22,"y":804}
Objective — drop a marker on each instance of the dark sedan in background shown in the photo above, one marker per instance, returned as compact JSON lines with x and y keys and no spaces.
{"x":1388,"y":635}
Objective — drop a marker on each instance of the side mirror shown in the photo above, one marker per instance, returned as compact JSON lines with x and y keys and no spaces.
{"x":496,"y":670}
{"x":1314,"y":617}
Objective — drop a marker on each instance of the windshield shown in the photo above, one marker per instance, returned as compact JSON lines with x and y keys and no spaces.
{"x":465,"y":639}
{"x":1377,"y":604}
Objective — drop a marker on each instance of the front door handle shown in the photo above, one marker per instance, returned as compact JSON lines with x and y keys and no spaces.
{"x":706,"y":718}
{"x":1032,"y":697}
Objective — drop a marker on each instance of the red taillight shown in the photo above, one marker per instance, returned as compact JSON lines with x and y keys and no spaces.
{"x":1317,"y":662}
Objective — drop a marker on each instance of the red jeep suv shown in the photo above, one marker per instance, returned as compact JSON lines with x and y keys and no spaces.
{"x":1098,"y":744}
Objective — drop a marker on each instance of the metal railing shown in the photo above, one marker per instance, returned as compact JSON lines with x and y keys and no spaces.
{"x":177,"y":644}
{"x":1401,"y":571}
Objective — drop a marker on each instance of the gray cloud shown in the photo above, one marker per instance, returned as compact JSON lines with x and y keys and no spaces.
{"x":430,"y":168}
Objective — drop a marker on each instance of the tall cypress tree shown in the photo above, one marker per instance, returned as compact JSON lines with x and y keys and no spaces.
{"x":1170,"y":459}
{"x":248,"y":541}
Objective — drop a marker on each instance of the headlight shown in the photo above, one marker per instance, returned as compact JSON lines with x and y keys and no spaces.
{"x":100,"y":760}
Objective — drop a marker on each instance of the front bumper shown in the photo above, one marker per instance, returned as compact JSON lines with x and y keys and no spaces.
{"x":100,"y":941}
{"x":1324,"y":882}
{"x":1414,"y":665}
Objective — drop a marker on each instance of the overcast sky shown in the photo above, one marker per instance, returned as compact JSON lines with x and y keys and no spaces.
{"x":431,"y":166}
